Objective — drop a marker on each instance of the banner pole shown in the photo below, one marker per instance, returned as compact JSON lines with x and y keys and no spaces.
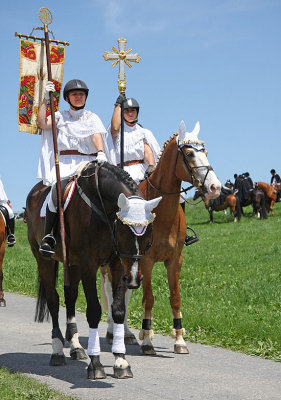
{"x":45,"y":15}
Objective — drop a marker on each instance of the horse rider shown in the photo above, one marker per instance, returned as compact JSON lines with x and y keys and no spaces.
{"x":275,"y":178}
{"x":249,"y":180}
{"x":7,"y":212}
{"x":140,"y":146}
{"x":141,"y":149}
{"x":80,"y":137}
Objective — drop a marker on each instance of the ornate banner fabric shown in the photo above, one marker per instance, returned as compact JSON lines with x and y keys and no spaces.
{"x":33,"y":78}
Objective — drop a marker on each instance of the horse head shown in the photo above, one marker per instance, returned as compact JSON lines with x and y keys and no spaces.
{"x":133,"y":234}
{"x":194,"y":161}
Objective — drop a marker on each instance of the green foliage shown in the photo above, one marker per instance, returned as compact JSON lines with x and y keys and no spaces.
{"x":229,"y":283}
{"x":14,"y":386}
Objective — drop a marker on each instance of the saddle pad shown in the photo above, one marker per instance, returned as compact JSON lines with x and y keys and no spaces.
{"x":69,"y":191}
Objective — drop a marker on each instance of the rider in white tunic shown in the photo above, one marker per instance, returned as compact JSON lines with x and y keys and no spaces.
{"x":80,"y":138}
{"x":140,"y":146}
{"x":10,"y":218}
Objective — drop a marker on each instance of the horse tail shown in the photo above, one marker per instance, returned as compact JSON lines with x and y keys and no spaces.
{"x":238,"y":208}
{"x":42,"y":312}
{"x":263,"y":207}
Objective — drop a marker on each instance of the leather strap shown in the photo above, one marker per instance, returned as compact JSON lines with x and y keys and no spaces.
{"x":75,"y":153}
{"x":132,"y":162}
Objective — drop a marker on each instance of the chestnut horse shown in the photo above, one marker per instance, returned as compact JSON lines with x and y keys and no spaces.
{"x":2,"y":253}
{"x":224,"y":201}
{"x":270,"y":195}
{"x":183,"y":158}
{"x":94,"y":236}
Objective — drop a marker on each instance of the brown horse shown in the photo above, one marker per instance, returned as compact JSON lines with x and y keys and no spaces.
{"x":2,"y":253}
{"x":221,"y":203}
{"x":183,"y":158}
{"x":100,"y":229}
{"x":270,"y":195}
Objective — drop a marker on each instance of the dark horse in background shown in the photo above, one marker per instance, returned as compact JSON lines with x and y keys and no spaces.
{"x":95,"y":235}
{"x":270,"y":194}
{"x":226,"y":199}
{"x":249,"y":195}
{"x":183,"y":158}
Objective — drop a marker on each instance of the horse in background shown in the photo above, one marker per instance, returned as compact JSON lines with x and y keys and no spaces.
{"x":106,"y":222}
{"x":183,"y":158}
{"x":270,"y":195}
{"x":226,"y":199}
{"x":2,"y":253}
{"x":249,"y":195}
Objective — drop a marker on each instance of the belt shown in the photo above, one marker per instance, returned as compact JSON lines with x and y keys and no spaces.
{"x":132,"y":162}
{"x":75,"y":153}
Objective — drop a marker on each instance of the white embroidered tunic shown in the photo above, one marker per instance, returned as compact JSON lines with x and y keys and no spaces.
{"x":74,"y":131}
{"x":134,"y":139}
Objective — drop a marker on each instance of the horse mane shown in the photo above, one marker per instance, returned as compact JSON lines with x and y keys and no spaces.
{"x":164,"y":147}
{"x":119,"y":174}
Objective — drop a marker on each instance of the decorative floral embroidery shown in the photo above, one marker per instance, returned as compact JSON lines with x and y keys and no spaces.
{"x":27,"y":50}
{"x":26,"y":98}
{"x":57,"y":54}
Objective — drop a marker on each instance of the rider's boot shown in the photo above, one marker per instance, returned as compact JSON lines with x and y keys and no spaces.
{"x":48,"y":244}
{"x":190,"y":239}
{"x":11,"y":240}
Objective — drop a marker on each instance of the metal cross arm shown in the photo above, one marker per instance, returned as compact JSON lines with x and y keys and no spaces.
{"x":122,"y":57}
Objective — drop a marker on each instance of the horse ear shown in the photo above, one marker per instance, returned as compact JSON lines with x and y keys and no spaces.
{"x":123,"y":202}
{"x":151,"y":204}
{"x":182,"y":130}
{"x":196,"y":129}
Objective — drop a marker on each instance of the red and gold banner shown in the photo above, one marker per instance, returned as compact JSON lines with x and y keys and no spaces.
{"x":33,"y":79}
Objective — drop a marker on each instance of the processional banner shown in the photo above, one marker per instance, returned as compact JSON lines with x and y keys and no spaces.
{"x":33,"y":78}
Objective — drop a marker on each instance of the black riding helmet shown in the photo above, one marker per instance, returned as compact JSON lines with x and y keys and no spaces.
{"x":75,"y":84}
{"x":132,"y":103}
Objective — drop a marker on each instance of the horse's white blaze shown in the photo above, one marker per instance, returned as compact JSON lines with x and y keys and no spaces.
{"x":118,"y":345}
{"x":57,"y":346}
{"x":135,"y":266}
{"x":211,"y":182}
{"x":93,"y":342}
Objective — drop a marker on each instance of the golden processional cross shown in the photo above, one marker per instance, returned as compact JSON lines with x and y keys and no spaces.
{"x":121,"y":57}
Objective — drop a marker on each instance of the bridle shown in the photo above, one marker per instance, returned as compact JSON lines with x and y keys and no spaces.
{"x":104,"y":217}
{"x":195,"y":181}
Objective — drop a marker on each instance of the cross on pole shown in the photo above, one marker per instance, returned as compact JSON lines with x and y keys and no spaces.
{"x":121,"y":57}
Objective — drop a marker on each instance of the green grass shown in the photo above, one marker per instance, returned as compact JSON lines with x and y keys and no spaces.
{"x":14,"y":386}
{"x":230,"y":283}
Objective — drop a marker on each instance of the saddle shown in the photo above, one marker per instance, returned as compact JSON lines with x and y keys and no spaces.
{"x":5,"y":214}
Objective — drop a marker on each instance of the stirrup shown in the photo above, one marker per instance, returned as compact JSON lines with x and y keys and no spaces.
{"x":48,"y":246}
{"x":11,"y":240}
{"x":190,"y":239}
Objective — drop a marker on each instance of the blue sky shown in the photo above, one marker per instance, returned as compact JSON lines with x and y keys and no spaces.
{"x":213,"y":61}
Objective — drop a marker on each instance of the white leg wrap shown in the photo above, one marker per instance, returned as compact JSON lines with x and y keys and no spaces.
{"x":118,"y":345}
{"x":93,"y":342}
{"x":57,"y":346}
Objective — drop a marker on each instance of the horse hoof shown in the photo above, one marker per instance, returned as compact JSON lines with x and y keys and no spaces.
{"x":131,"y":339}
{"x":57,"y":360}
{"x":109,"y":337}
{"x":120,"y":373}
{"x":179,"y":349}
{"x":149,"y":350}
{"x":78,"y":354}
{"x":97,"y":373}
{"x":2,"y":303}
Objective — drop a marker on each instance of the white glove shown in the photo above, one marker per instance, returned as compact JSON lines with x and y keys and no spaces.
{"x":101,"y":157}
{"x":50,"y":87}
